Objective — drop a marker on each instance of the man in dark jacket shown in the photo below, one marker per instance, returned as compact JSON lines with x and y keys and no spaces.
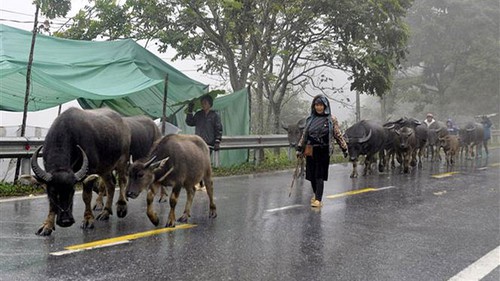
{"x":206,"y":122}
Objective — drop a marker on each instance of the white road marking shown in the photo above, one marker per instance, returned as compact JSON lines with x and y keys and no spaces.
{"x":479,"y":268}
{"x":284,"y":208}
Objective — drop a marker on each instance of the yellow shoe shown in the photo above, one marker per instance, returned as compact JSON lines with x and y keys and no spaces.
{"x":316,"y":204}
{"x":313,"y":199}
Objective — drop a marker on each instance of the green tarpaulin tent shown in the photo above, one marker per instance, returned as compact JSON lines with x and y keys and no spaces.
{"x":119,"y":74}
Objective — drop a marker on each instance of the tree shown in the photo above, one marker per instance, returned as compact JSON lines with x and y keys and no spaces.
{"x":275,"y":45}
{"x":453,"y":65}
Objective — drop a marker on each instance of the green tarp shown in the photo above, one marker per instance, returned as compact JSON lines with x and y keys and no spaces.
{"x":120,"y":74}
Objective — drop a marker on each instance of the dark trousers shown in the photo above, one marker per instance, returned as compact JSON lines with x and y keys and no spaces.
{"x":317,"y":186}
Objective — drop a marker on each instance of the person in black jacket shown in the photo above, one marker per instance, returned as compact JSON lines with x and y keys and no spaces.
{"x":320,"y":131}
{"x":207,"y":122}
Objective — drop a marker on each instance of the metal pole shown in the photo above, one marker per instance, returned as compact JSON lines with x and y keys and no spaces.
{"x":358,"y":108}
{"x":28,"y":84}
{"x":164,"y":113}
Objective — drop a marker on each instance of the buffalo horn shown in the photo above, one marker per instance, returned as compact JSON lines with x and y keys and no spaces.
{"x":366,"y":138}
{"x":150,"y":161}
{"x":85,"y":166}
{"x":39,"y":172}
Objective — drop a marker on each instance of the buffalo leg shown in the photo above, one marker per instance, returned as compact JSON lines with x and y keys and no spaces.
{"x":88,"y":216}
{"x":189,"y":202}
{"x":173,"y":202}
{"x":163,"y":194}
{"x":109,"y":181}
{"x":153,"y":217}
{"x":354,"y":173}
{"x":121,"y":204}
{"x":210,"y":193}
{"x":48,"y":225}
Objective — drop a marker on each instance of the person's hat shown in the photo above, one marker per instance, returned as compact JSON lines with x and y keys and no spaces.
{"x":430,"y":115}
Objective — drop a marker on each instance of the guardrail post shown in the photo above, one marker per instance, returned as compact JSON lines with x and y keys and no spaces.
{"x":25,"y":166}
{"x":216,"y":162}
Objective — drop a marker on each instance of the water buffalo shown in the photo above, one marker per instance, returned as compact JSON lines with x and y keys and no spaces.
{"x":294,"y":133}
{"x":88,"y":141}
{"x":472,"y":136}
{"x":421,"y":134}
{"x":435,"y":131}
{"x":144,"y":132}
{"x":450,"y":145}
{"x":366,"y":137}
{"x":188,"y":164}
{"x":405,"y":145}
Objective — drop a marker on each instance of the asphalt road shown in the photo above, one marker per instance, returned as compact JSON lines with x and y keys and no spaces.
{"x":431,"y":224}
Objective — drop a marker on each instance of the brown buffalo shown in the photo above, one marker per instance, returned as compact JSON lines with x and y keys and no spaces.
{"x":188,"y":164}
{"x":450,"y":145}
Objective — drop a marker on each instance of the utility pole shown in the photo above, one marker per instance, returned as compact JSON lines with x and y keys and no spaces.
{"x":358,"y":107}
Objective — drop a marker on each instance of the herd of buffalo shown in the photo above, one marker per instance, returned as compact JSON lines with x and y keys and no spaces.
{"x":405,"y":140}
{"x":99,"y":149}
{"x":84,"y":145}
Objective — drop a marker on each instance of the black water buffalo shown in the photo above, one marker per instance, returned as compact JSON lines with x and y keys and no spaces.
{"x":435,"y":131}
{"x":144,"y":133}
{"x":366,"y":137}
{"x":178,"y":161}
{"x":294,"y":133}
{"x":88,"y":141}
{"x":472,"y":136}
{"x":405,"y":145}
{"x":421,"y":134}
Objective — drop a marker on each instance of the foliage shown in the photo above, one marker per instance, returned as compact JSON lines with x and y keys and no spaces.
{"x":276,"y":46}
{"x":53,"y":8}
{"x":8,"y":189}
{"x":454,"y":63}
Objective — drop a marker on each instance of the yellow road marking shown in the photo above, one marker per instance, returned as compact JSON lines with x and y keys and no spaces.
{"x":118,"y":240}
{"x":444,"y":175}
{"x":369,"y":189}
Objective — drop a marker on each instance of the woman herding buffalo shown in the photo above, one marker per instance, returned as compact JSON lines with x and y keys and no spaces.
{"x":316,"y":144}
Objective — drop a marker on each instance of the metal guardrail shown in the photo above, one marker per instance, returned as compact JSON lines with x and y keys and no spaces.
{"x":24,"y":147}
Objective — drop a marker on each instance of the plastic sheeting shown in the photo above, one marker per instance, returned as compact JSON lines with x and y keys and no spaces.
{"x":120,"y":75}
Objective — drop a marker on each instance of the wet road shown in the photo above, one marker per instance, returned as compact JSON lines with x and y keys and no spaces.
{"x":431,"y":224}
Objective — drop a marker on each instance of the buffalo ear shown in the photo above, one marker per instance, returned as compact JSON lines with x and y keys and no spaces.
{"x":284,"y":126}
{"x":302,"y":123}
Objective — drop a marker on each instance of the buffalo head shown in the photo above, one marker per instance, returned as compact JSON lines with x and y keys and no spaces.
{"x":142,"y":175}
{"x":294,"y":131}
{"x":405,"y":138}
{"x":357,"y":146}
{"x":60,"y":187}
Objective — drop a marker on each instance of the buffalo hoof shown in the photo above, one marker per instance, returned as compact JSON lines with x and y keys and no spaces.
{"x":380,"y":168}
{"x":212,"y":214}
{"x":121,"y":209}
{"x":45,"y":230}
{"x":170,"y":224}
{"x":163,"y":198}
{"x":154,"y":220}
{"x":98,"y":206}
{"x":420,"y":164}
{"x":103,"y":216}
{"x":87,"y":224}
{"x":183,"y":218}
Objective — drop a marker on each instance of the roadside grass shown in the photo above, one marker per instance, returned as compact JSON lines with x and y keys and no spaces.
{"x":271,"y":162}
